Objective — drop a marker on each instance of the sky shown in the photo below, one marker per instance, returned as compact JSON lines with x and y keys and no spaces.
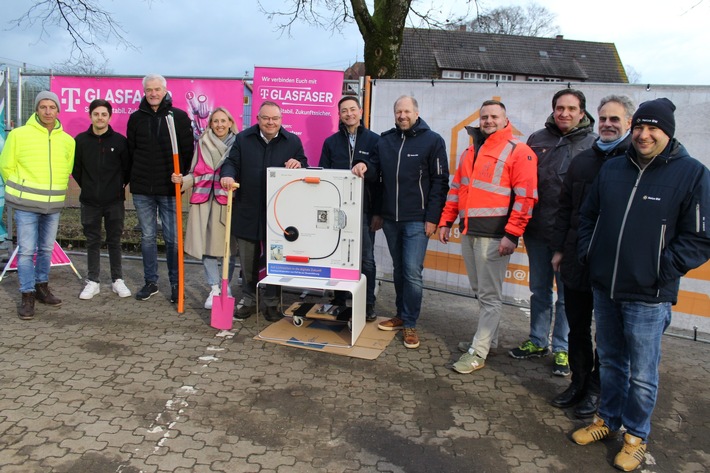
{"x":664,"y":42}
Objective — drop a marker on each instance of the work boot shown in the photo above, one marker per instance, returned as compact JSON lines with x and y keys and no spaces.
{"x":45,"y":296}
{"x":26,"y":311}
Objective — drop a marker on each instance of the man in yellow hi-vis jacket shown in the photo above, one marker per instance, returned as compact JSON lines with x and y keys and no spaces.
{"x":36,"y":163}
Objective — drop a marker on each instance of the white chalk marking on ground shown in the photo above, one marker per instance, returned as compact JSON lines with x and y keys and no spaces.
{"x":225,"y":334}
{"x":215,"y":349}
{"x":208,"y":358}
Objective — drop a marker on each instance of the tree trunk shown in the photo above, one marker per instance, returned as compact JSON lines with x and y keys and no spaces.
{"x":382,"y":33}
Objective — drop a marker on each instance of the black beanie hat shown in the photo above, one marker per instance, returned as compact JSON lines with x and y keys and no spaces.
{"x":658,"y":113}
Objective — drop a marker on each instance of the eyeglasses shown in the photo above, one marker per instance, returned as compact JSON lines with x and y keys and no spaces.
{"x":269,"y":119}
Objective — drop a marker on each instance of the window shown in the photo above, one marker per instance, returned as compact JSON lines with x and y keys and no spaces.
{"x":536,"y":79}
{"x":446,"y":74}
{"x":475,"y":75}
{"x":500,"y":77}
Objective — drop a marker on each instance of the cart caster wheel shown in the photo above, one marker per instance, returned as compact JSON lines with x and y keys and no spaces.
{"x":297,"y":321}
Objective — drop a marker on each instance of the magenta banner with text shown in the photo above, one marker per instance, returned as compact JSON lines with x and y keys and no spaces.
{"x":308,"y":100}
{"x":198,"y":97}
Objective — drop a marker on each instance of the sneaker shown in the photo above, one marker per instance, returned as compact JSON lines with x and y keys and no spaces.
{"x":90,"y":290}
{"x":411,"y":339}
{"x":529,"y":350}
{"x":146,"y":291}
{"x":469,"y":363}
{"x":395,"y":323}
{"x":214,"y":292}
{"x":561,"y":365}
{"x":243,"y":312}
{"x":174,"y":293}
{"x":119,"y":287}
{"x":370,"y":314}
{"x":597,"y":430}
{"x":631,"y":454}
{"x":463,"y":346}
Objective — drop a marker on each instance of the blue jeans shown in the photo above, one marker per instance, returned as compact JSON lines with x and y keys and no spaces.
{"x":368,"y":259}
{"x":542,"y":277}
{"x":35,"y":233}
{"x":629,"y":346}
{"x":212,"y":273}
{"x":147,"y":207}
{"x":407,"y":242}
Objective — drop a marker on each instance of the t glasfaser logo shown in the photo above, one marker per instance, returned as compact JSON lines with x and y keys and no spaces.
{"x":412,"y":155}
{"x":649,"y":197}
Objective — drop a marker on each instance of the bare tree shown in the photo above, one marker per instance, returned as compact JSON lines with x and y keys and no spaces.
{"x":532,"y":20}
{"x":632,"y":74}
{"x":84,"y":65}
{"x":381,"y":30}
{"x":89,"y":26}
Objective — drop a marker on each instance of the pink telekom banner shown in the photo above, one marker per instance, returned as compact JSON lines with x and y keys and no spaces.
{"x":308,"y":100}
{"x":198,"y":97}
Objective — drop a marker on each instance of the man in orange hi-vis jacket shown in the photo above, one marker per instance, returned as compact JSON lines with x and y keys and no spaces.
{"x":493,"y":194}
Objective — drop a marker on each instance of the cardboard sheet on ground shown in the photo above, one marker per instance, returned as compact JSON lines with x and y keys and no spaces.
{"x":327,"y":336}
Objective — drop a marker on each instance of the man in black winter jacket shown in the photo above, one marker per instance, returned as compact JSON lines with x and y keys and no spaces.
{"x":266,"y":144}
{"x":101,"y":168}
{"x":569,"y":129}
{"x":151,"y":168}
{"x":614,"y":139}
{"x":350,"y":148}
{"x":643,"y":227}
{"x":412,"y":160}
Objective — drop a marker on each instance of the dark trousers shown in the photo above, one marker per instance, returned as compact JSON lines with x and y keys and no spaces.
{"x":250,"y":253}
{"x":112,"y":216}
{"x":583,"y":359}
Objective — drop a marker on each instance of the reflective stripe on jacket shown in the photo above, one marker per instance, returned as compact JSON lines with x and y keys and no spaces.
{"x":495,"y":186}
{"x":36,"y":165}
{"x":206,"y":183}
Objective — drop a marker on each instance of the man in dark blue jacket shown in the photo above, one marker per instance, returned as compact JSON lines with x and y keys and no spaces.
{"x":644,"y":226}
{"x":615,"y":112}
{"x":101,"y":168}
{"x":350,"y":145}
{"x":412,"y":161}
{"x":266,"y":144}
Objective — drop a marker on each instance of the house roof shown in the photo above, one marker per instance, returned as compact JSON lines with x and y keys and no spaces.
{"x":424,"y":53}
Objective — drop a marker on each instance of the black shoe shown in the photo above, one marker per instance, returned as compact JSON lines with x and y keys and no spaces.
{"x":273,"y":313}
{"x":370,"y":314}
{"x":244,"y":312}
{"x":588,"y":405}
{"x":174,"y":293}
{"x":146,"y":291}
{"x":568,"y":398}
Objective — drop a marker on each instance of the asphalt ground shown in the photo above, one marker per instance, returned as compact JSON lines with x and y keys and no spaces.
{"x":125,"y":386}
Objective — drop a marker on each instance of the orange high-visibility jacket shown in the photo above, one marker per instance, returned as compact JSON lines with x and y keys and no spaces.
{"x":494,"y":189}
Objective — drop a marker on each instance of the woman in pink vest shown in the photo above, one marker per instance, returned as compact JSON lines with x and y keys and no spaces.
{"x":204,"y":235}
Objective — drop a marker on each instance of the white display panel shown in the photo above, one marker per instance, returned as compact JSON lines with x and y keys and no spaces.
{"x":314,"y":219}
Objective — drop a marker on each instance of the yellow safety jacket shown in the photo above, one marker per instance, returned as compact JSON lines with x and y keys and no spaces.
{"x":36,"y":165}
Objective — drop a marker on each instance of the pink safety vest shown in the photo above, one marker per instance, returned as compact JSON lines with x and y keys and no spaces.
{"x":206,"y":183}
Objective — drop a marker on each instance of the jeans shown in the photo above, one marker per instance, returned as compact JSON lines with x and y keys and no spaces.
{"x":112,"y":216}
{"x":486,"y":272}
{"x":368,"y":264}
{"x":542,"y":277}
{"x":629,"y":345}
{"x":211,"y":265}
{"x":35,"y":233}
{"x":368,"y":259}
{"x":407,"y":242}
{"x":147,"y":207}
{"x":583,"y":359}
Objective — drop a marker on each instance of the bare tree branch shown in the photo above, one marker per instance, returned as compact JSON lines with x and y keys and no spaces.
{"x":88,"y":25}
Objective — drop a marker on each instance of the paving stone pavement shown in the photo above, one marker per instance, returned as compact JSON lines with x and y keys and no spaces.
{"x":118,"y":385}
